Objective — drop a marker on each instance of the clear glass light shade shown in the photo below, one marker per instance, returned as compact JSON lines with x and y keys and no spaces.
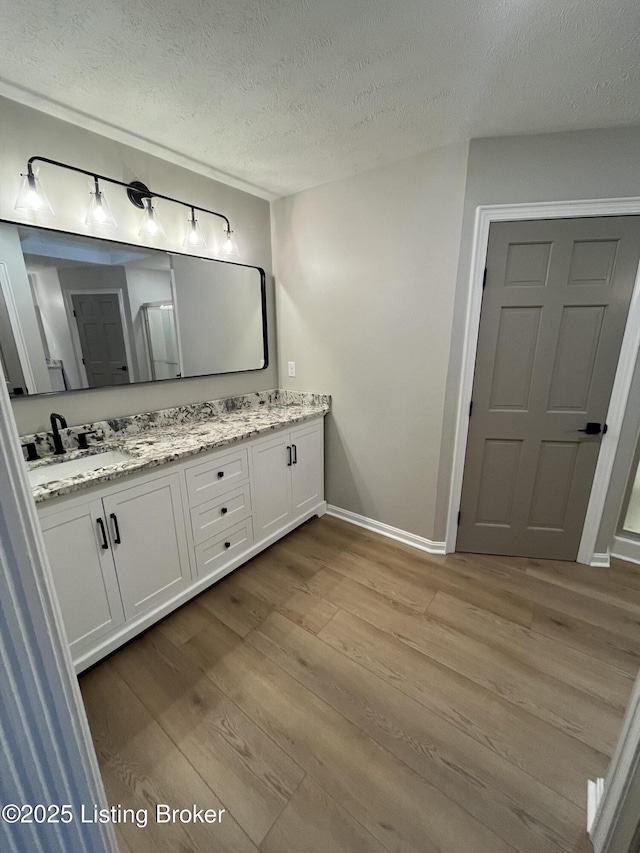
{"x":98,"y":212}
{"x":193,"y":238}
{"x":31,"y":196}
{"x":150,"y":225}
{"x":229,"y":246}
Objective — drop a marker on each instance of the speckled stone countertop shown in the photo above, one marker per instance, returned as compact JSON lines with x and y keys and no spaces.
{"x":155,"y":438}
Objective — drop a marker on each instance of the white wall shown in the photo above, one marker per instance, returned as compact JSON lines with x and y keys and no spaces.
{"x":365,"y":276}
{"x":592,"y":164}
{"x":25,"y":132}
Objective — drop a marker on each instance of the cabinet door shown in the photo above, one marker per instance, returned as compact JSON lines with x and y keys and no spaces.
{"x":83,"y":573}
{"x":147,"y":530}
{"x":271,"y":485}
{"x":307,"y":472}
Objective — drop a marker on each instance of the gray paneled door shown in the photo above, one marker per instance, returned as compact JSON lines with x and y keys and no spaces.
{"x":554,"y":309}
{"x":101,"y":335}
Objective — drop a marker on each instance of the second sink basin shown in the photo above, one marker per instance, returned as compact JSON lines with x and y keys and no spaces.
{"x":73,"y":467}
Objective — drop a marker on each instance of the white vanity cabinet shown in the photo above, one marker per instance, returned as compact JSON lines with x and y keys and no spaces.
{"x":83,"y":571}
{"x":288,"y":474}
{"x":148,"y":542}
{"x":115,"y":557}
{"x":126,"y":554}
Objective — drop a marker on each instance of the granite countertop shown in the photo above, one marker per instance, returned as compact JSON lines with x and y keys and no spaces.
{"x":155,"y":438}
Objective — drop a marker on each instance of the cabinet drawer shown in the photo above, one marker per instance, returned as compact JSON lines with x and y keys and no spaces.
{"x":218,"y":551}
{"x":214,"y":516}
{"x":216,"y":476}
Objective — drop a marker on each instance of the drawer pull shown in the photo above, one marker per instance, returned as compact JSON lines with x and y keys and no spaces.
{"x":220,"y":474}
{"x":227,"y":544}
{"x":224,"y":510}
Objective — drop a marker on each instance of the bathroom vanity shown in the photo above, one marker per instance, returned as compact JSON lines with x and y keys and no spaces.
{"x":187,"y":495}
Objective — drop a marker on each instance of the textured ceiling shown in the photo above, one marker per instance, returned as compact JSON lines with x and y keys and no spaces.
{"x":288,"y":94}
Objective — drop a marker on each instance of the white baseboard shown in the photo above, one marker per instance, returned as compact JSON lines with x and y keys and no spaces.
{"x":601,"y":560}
{"x":595,"y":790}
{"x":626,"y":549}
{"x":386,"y":530}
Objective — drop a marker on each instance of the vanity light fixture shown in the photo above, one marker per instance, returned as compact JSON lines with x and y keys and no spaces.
{"x":31,"y":197}
{"x":98,"y":212}
{"x":229,"y":245}
{"x":150,"y":226}
{"x":193,"y":239}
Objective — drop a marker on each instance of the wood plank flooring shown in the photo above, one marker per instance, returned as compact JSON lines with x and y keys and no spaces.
{"x":344,"y":692}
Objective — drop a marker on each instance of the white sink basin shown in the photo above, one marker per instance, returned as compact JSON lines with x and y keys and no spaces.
{"x":72,"y":467}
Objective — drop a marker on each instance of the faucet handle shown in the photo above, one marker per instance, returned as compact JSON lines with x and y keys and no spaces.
{"x":32,"y":453}
{"x":82,"y":438}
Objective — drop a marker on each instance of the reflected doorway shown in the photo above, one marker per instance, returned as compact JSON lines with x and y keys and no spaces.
{"x":161,"y":339}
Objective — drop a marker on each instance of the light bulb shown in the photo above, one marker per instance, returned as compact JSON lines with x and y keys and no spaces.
{"x":98,"y":212}
{"x":229,"y":246}
{"x":193,"y":238}
{"x":150,"y":225}
{"x":31,"y":196}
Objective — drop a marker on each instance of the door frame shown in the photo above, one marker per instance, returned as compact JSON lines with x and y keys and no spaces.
{"x":6,"y":291}
{"x":44,"y":723}
{"x":67,"y":294}
{"x":485,"y":215}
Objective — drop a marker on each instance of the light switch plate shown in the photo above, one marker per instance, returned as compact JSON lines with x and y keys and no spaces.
{"x":292,"y":368}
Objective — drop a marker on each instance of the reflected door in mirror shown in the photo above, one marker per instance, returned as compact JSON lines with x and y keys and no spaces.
{"x":101,"y":335}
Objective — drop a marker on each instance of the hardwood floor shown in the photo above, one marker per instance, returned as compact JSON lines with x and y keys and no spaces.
{"x":344,"y":692}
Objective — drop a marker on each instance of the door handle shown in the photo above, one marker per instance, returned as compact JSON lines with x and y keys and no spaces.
{"x":295,"y":454}
{"x":116,"y":529}
{"x":124,"y":367}
{"x":594,"y":428}
{"x":103,"y":534}
{"x":289,"y":462}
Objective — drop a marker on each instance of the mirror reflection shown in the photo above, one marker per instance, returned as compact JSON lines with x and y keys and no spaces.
{"x":78,"y":312}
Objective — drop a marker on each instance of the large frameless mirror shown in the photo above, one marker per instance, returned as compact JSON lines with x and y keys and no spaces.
{"x":80,"y":312}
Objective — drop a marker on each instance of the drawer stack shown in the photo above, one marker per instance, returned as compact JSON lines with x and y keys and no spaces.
{"x":220,"y":512}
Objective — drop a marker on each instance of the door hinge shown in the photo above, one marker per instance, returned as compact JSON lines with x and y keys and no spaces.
{"x":484,"y":279}
{"x":470,"y":407}
{"x":83,"y":361}
{"x":75,"y":313}
{"x":459,"y":517}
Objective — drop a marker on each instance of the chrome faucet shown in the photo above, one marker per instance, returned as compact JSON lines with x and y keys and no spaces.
{"x":57,"y":421}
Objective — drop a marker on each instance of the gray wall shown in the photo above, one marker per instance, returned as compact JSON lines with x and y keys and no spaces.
{"x":591,"y":164}
{"x":25,"y":132}
{"x":365,"y":275}
{"x":218,"y":310}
